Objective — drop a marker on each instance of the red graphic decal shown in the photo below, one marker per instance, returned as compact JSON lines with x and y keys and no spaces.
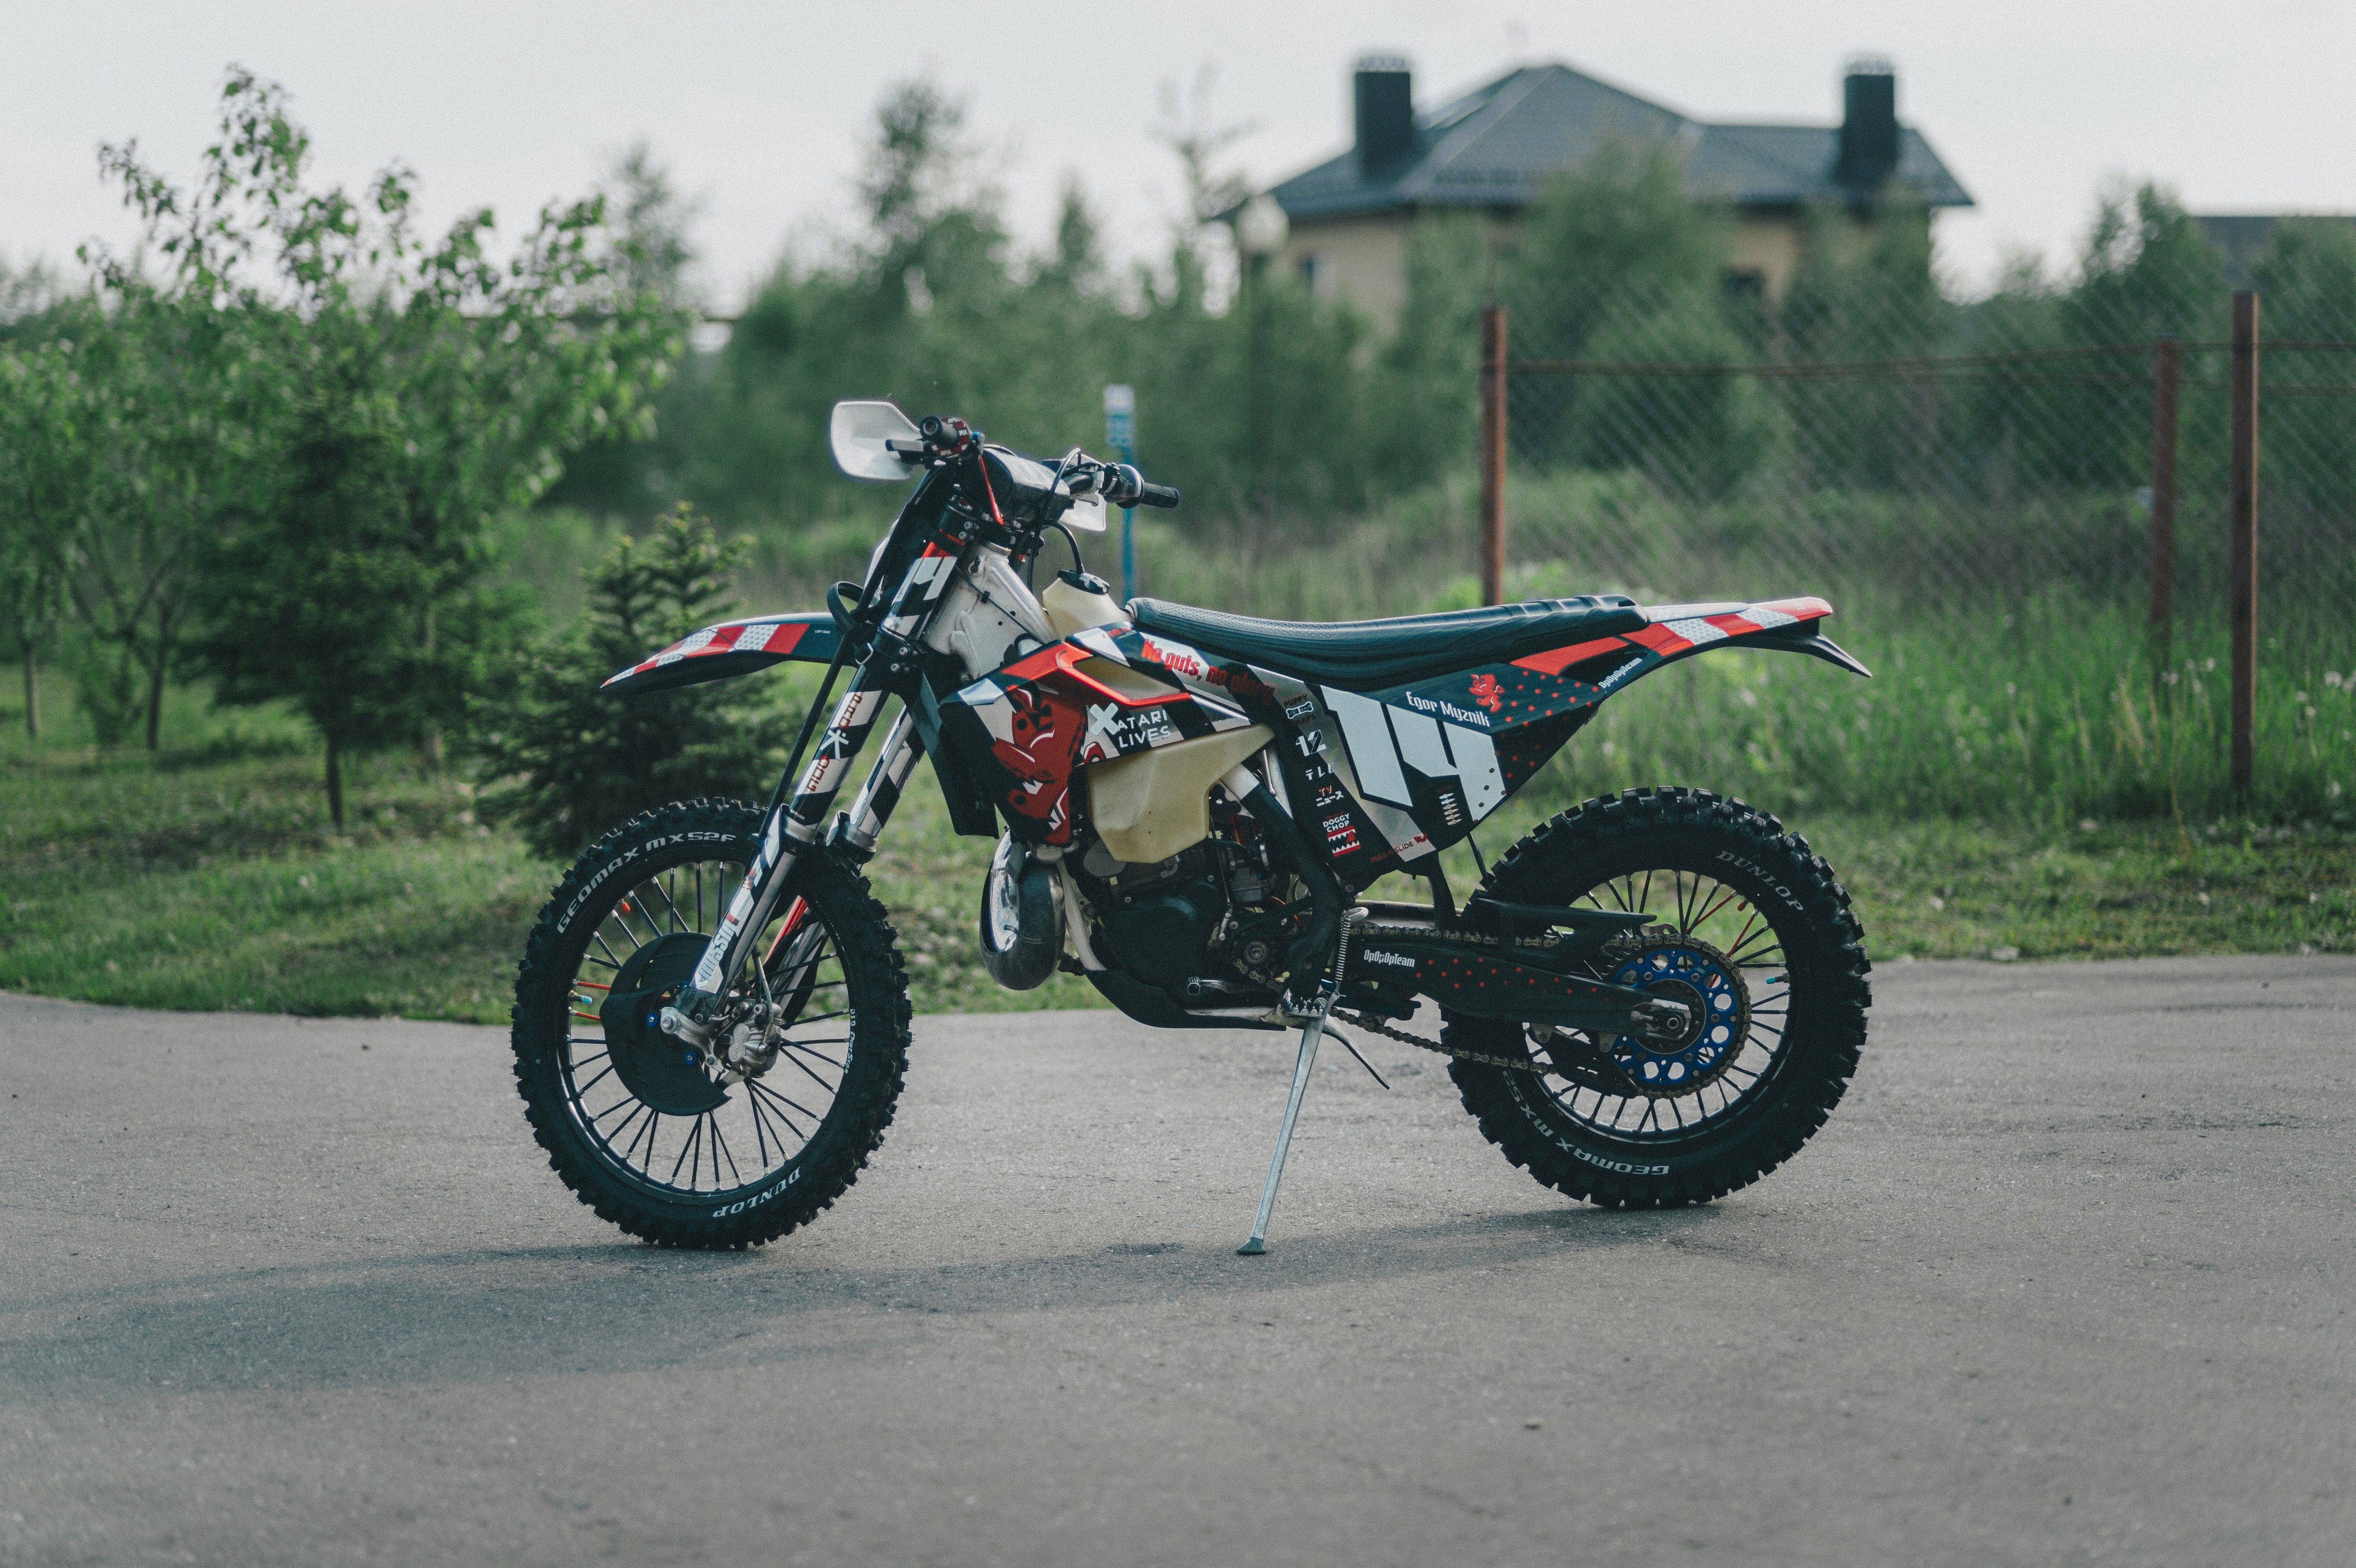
{"x":1244,"y":684}
{"x":1039,"y":756}
{"x":1485,"y":693}
{"x":1554,"y":661}
{"x":1177,"y":661}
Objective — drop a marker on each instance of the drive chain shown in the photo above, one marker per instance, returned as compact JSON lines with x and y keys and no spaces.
{"x":1481,"y":1058}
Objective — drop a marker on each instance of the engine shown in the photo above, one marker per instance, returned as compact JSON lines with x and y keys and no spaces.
{"x":1176,"y":925}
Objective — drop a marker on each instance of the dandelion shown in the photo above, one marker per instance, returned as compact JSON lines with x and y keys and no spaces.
{"x":2209,"y":663}
{"x":2298,"y":697}
{"x":2332,"y":678}
{"x":2331,"y":790}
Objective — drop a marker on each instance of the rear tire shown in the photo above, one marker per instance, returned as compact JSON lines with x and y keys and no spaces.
{"x":1673,"y":852}
{"x":624,"y":905}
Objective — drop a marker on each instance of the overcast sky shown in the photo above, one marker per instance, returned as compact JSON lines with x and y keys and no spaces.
{"x":760,"y":109}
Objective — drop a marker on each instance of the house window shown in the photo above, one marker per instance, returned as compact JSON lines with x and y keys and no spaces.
{"x":1745,"y":284}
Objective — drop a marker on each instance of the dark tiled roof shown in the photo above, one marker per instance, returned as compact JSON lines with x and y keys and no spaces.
{"x":2243,"y":236}
{"x":1496,"y":144}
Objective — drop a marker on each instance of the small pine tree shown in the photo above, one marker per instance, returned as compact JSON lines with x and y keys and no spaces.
{"x":566,"y":760}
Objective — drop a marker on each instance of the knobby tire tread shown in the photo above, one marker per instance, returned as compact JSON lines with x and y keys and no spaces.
{"x":1825,"y":1043}
{"x":853,"y":1128}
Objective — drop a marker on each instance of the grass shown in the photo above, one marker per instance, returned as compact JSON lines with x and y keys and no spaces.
{"x":208,"y":879}
{"x":1952,"y":794}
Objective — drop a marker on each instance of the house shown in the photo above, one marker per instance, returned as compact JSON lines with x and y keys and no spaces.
{"x":2244,"y":237}
{"x":1492,"y":150}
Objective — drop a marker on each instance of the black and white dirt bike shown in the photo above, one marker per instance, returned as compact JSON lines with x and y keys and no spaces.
{"x":1650,"y":1000}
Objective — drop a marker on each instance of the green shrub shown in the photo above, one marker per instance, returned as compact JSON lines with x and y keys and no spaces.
{"x":565,"y":760}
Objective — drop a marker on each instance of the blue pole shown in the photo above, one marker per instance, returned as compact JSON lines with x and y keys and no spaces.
{"x":1120,"y":435}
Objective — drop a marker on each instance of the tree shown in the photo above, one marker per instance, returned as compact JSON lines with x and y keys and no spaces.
{"x":652,"y":222}
{"x":2146,"y":271}
{"x":566,"y":760}
{"x":48,"y":470}
{"x":1617,"y":236}
{"x":404,"y":394}
{"x":181,"y":404}
{"x":2306,"y":277}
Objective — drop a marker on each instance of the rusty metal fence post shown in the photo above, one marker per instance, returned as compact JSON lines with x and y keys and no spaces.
{"x":1493,"y":454}
{"x":2243,"y":538}
{"x":2167,"y":377}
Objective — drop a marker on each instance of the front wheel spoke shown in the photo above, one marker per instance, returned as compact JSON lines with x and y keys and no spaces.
{"x":792,"y":1127}
{"x":599,"y":938}
{"x":606,"y":1073}
{"x":720,"y":1143}
{"x":677,"y":923}
{"x":782,"y":1103}
{"x":654,"y":1135}
{"x":693,"y":1141}
{"x":627,"y":1102}
{"x":813,"y":1077}
{"x":638,"y":898}
{"x":760,"y":1130}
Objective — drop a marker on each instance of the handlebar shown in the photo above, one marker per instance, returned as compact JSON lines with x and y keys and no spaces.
{"x":941,"y":438}
{"x":1125,"y":487}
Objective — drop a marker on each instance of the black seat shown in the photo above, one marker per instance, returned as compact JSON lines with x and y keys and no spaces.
{"x":1361,"y":654}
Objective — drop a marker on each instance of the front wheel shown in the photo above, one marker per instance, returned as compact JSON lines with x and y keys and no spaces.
{"x":1750,"y":930}
{"x":632,"y":1124}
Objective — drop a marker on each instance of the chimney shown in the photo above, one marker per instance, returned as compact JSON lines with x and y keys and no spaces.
{"x":1386,"y":113}
{"x":1868,"y":132}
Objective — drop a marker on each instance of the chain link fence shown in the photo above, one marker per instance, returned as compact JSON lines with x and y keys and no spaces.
{"x":1658,"y":446}
{"x":1985,"y":492}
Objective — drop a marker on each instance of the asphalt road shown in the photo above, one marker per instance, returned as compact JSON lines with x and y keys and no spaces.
{"x":2067,"y":1279}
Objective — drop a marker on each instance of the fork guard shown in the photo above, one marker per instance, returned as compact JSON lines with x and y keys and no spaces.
{"x":731,"y":648}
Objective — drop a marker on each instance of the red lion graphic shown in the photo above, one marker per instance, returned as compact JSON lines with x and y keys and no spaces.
{"x":1485,"y":693}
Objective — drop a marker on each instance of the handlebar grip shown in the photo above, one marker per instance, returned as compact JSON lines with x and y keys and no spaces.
{"x":1163,"y":495}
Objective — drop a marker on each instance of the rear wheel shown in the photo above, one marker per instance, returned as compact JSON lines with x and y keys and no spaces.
{"x":629,"y":1119}
{"x":1750,"y":931}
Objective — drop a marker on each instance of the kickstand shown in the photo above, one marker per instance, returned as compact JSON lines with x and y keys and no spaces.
{"x":1313,"y":1030}
{"x":1310,"y":1034}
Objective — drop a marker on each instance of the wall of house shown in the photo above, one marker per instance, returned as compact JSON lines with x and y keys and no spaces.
{"x":1363,"y":260}
{"x":1768,"y":244}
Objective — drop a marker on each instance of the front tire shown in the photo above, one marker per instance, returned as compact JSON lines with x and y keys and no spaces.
{"x":1725,"y":882}
{"x":647,"y":1141}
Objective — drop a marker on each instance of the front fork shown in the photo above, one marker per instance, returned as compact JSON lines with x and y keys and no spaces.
{"x":793,"y":827}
